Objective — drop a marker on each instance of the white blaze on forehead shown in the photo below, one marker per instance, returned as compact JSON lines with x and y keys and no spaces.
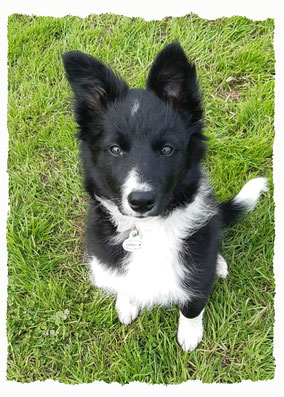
{"x":135,"y":107}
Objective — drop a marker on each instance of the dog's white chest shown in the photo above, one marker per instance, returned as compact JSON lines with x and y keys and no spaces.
{"x":152,"y":273}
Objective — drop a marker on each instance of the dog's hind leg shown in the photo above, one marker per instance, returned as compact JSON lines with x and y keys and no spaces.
{"x":222,"y":267}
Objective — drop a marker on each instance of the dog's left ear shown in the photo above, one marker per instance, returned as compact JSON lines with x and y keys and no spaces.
{"x":173,"y":79}
{"x":94,"y":85}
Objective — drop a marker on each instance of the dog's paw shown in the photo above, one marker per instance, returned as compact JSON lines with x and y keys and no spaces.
{"x":190,"y":332}
{"x":222,"y":267}
{"x":126,"y":310}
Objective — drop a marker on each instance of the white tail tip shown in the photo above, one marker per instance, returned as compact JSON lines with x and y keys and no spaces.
{"x":250,"y":193}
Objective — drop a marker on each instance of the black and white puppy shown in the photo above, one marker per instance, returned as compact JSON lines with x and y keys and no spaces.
{"x":153,"y":224}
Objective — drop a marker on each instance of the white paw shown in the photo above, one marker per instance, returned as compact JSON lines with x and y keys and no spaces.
{"x":190,"y":332}
{"x":222,"y":267}
{"x":126,"y":310}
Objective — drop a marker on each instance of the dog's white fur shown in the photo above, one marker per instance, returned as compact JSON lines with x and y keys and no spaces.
{"x":190,"y":331}
{"x":222,"y":267}
{"x":250,"y":193}
{"x":135,"y":107}
{"x":133,"y":183}
{"x":127,"y":311}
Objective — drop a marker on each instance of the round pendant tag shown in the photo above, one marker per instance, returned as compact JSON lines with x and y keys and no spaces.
{"x":133,"y":242}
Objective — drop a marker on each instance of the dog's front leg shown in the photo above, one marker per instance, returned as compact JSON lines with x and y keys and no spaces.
{"x":190,"y":328}
{"x":127,"y":310}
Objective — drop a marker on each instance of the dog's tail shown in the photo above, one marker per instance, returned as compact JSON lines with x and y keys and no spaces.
{"x":244,"y":202}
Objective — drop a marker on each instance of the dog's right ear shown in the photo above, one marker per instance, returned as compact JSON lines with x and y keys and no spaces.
{"x":173,"y":79}
{"x":94,"y":85}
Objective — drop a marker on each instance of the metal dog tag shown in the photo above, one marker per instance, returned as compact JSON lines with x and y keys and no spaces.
{"x":133,"y":242}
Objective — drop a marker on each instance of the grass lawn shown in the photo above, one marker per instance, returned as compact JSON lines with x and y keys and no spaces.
{"x":59,"y":326}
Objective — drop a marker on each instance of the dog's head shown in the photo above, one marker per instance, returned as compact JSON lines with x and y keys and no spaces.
{"x":141,"y":149}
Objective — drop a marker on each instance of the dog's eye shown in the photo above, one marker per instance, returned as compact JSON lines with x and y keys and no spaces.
{"x":166,"y":150}
{"x":116,"y":150}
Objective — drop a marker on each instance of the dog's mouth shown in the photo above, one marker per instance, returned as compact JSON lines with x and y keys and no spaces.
{"x":136,"y":215}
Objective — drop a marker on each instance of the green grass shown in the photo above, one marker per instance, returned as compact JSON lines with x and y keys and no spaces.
{"x":60,"y":327}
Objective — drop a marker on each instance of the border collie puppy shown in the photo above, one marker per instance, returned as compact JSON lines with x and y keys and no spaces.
{"x":154,"y":225}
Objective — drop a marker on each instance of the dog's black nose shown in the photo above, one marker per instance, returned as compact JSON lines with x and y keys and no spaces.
{"x":141,"y":201}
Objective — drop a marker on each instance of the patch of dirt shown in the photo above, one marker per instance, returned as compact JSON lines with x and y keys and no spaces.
{"x":228,"y":94}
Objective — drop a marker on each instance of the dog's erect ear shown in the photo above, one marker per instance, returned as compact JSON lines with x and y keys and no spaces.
{"x":93,"y":84}
{"x":173,"y":79}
